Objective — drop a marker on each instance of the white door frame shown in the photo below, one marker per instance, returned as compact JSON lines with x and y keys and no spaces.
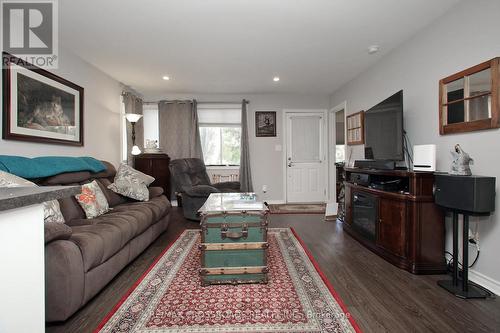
{"x":332,"y":172}
{"x":325,"y":144}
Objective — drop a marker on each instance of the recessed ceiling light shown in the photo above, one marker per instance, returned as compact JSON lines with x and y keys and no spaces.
{"x":372,"y":49}
{"x":276,"y":78}
{"x":166,"y":78}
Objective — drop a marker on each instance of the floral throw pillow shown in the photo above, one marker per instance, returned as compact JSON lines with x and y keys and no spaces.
{"x":92,"y":200}
{"x":131,"y":183}
{"x":51,"y":209}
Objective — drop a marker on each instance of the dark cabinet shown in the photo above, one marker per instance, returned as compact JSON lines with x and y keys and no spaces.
{"x":391,"y":227}
{"x":405,"y":226}
{"x":155,"y":165}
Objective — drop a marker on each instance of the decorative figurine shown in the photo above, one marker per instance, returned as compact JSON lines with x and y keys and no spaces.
{"x":461,"y":162}
{"x":152,"y":146}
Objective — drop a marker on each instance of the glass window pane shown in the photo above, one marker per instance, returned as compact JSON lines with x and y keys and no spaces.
{"x":480,"y":108}
{"x":306,"y":138}
{"x":455,"y":90}
{"x":456,"y":113}
{"x":340,"y":153}
{"x":150,"y":121}
{"x":211,"y":145}
{"x":231,"y":145}
{"x":480,"y":83}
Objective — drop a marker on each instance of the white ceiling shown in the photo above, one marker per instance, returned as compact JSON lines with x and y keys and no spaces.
{"x":237,"y":46}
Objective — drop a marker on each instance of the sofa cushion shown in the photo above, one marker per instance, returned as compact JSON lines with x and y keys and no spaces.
{"x":158,"y":207}
{"x":155,"y":191}
{"x":98,"y":242}
{"x":55,"y":231}
{"x":66,"y":178}
{"x":108,"y":233}
{"x":109,"y":173}
{"x":114,"y":199}
{"x":202,"y":191}
{"x":71,"y":209}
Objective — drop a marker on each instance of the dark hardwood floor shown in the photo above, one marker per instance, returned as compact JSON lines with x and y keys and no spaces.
{"x":381,"y":297}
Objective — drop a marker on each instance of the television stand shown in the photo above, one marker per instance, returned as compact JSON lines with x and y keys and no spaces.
{"x":375,"y":164}
{"x":403,"y":225}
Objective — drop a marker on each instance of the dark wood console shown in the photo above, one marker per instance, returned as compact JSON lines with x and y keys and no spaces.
{"x":403,"y":225}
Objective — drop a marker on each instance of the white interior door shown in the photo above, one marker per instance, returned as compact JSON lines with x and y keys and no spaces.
{"x":305,"y":157}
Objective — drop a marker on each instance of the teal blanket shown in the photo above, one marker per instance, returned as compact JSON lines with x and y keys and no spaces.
{"x":46,"y":166}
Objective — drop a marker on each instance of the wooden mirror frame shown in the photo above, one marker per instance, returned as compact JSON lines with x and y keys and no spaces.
{"x":360,"y":116}
{"x":475,"y":125}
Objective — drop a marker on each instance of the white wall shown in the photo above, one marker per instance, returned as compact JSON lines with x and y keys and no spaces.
{"x":465,"y":36}
{"x":101,"y":115}
{"x":266,"y":162}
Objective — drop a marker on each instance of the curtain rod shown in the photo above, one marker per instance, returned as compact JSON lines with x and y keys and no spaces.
{"x":199,"y":102}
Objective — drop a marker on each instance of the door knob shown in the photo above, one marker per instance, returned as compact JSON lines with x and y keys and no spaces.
{"x":289,"y":164}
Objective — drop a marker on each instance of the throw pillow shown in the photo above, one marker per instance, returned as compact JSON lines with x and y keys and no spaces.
{"x":131,"y":183}
{"x":52,"y":212}
{"x":92,"y":200}
{"x":51,"y":209}
{"x":10,"y":180}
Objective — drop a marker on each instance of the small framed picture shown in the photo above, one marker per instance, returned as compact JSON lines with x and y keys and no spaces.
{"x":265,"y":123}
{"x":39,"y":106}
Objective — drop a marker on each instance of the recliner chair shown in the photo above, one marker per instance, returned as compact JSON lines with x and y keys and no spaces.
{"x":191,"y":180}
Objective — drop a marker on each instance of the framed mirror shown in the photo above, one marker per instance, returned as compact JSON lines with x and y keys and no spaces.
{"x":470,"y":100}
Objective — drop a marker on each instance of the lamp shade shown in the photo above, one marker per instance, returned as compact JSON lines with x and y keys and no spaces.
{"x":135,"y":150}
{"x":133,"y":117}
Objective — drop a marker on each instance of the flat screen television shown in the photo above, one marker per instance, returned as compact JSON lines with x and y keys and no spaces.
{"x":384,"y":130}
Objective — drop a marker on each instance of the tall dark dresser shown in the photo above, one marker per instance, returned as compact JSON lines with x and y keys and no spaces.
{"x":155,"y":165}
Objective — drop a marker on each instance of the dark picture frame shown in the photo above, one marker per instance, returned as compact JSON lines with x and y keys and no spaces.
{"x":39,"y":106}
{"x":265,"y":123}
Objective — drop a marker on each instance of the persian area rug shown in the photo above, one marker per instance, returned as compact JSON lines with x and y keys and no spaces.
{"x":170,"y":298}
{"x":297,"y":208}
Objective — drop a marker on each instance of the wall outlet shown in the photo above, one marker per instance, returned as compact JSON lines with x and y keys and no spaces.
{"x":264,"y":188}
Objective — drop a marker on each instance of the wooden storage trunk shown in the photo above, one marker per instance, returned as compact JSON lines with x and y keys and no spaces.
{"x":233,"y":245}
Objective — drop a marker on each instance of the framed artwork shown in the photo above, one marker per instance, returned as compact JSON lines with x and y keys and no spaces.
{"x":265,"y":123}
{"x":39,"y":106}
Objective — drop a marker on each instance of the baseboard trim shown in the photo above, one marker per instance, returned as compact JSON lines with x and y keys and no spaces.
{"x":485,"y":281}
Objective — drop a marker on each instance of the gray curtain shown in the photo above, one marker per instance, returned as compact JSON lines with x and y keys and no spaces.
{"x":178,"y":129}
{"x":133,"y":104}
{"x":245,"y":173}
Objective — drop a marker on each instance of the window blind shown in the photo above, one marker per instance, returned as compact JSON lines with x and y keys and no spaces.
{"x":219,"y":114}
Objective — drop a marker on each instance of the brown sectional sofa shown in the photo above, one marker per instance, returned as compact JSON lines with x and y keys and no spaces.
{"x":83,"y":255}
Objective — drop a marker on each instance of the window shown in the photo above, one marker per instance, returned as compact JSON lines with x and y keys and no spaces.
{"x":220,"y":132}
{"x":150,"y":121}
